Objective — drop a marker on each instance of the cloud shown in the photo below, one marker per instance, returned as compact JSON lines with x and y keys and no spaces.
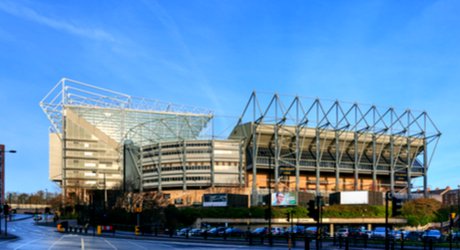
{"x":32,"y":15}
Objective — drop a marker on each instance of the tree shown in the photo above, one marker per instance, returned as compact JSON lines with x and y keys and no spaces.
{"x":420,"y":211}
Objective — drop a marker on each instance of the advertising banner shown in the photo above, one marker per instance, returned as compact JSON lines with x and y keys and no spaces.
{"x":284,"y":199}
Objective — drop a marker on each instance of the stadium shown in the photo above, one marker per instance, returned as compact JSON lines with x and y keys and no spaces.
{"x":105,"y":140}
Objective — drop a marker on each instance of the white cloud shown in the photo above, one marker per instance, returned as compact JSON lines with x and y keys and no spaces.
{"x":32,"y":15}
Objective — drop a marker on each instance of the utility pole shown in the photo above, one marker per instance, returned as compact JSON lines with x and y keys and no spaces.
{"x":105,"y":193}
{"x":270,"y":238}
{"x":388,"y":196}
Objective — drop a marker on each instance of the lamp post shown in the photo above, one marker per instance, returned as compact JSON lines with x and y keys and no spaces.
{"x":458,"y":204}
{"x":2,"y":161}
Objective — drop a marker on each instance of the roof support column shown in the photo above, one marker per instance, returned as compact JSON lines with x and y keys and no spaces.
{"x":240,"y":163}
{"x":159,"y":166}
{"x":213,"y":162}
{"x":356,"y":161}
{"x":254,"y":164}
{"x":141,"y":171}
{"x":425,"y":168}
{"x":409,"y":168}
{"x":64,"y":156}
{"x":374,"y":163}
{"x":277,"y":154}
{"x":392,"y":165}
{"x":318,"y":160}
{"x":297,"y":158}
{"x":184,"y":166}
{"x":337,"y":161}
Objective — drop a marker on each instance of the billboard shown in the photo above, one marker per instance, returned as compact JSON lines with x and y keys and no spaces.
{"x":354,"y":197}
{"x":215,"y":200}
{"x":284,"y":199}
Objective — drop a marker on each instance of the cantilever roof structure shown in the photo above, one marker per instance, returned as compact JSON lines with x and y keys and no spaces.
{"x":339,"y":137}
{"x":121,"y":116}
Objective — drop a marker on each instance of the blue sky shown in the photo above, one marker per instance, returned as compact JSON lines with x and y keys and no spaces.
{"x":213,"y":54}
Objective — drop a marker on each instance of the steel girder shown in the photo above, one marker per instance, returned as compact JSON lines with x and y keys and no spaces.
{"x":396,"y":142}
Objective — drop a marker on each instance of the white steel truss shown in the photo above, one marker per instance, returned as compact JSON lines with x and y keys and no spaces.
{"x":337,"y":136}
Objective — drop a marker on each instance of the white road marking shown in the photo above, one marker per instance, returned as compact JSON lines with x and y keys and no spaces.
{"x":82,"y":244}
{"x":137,"y":245}
{"x":25,"y":244}
{"x":54,"y":243}
{"x":110,"y":244}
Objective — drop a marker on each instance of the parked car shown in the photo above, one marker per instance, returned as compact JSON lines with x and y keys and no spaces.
{"x":234,"y":231}
{"x":218,"y":231}
{"x":368,"y":233}
{"x":277,"y":231}
{"x":432,"y":234}
{"x":414,"y":235}
{"x":260,"y":231}
{"x":311,"y":232}
{"x":379,"y":232}
{"x":357,"y":233}
{"x":456,"y":235}
{"x":342,"y":232}
{"x":195,"y":232}
{"x":297,"y":229}
{"x":397,"y":234}
{"x":183,"y":231}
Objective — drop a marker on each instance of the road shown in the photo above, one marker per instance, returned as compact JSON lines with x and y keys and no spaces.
{"x":31,"y":236}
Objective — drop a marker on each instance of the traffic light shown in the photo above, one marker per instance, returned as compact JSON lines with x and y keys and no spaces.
{"x":312,"y":210}
{"x":288,"y":216}
{"x":397,"y":205}
{"x":451,"y":219}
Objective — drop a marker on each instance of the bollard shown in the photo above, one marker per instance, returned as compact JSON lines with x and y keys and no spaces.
{"x":365,"y":241}
{"x":225,"y":234}
{"x":205,"y":234}
{"x":186,"y":233}
{"x":340,"y":241}
{"x":431,"y":244}
{"x":293,"y":240}
{"x":346,"y":243}
{"x":99,"y":230}
{"x":261,"y":239}
{"x":402,"y":242}
{"x":392,"y":244}
{"x":334,"y":240}
{"x":250,"y":238}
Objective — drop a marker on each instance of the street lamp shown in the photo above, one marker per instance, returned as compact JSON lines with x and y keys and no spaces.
{"x":458,"y":204}
{"x":2,"y":161}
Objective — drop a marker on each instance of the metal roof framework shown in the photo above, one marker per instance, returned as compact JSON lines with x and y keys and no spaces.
{"x":119,"y":116}
{"x":122,"y":116}
{"x":405,"y":135}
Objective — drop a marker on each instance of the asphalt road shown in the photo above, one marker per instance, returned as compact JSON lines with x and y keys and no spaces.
{"x":31,"y":236}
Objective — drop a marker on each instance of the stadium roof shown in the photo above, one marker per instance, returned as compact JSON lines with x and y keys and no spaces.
{"x":121,"y":116}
